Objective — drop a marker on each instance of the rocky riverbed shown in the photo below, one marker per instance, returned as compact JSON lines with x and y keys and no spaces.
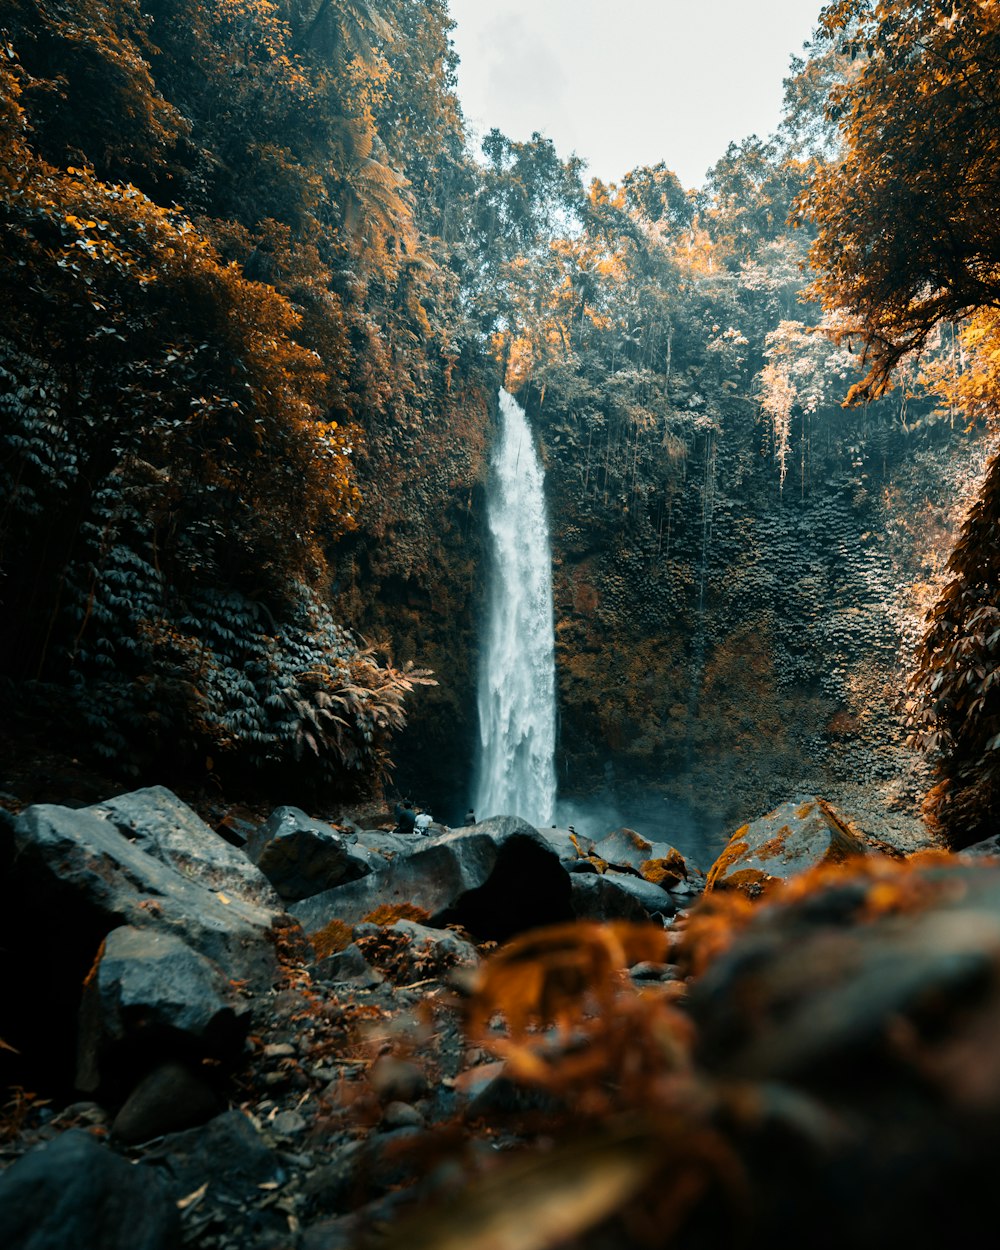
{"x":312,"y":1035}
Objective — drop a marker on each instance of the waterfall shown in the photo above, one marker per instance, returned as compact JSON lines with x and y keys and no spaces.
{"x":517,"y":683}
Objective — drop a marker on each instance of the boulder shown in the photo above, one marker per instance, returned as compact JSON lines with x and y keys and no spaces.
{"x":387,"y":845}
{"x":494,"y":879}
{"x":989,"y":848}
{"x":800,"y":834}
{"x":863,"y":1023}
{"x":620,"y":896}
{"x":627,"y":848}
{"x":74,"y":1192}
{"x":157,"y":822}
{"x":301,"y":856}
{"x":151,"y":994}
{"x":596,"y":897}
{"x":169,"y":1098}
{"x":228,"y":1152}
{"x":569,"y":846}
{"x":96,"y":865}
{"x":143,"y":862}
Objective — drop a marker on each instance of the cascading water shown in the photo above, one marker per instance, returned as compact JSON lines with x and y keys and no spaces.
{"x":517,"y":696}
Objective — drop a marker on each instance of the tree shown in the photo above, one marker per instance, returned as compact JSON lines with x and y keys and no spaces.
{"x":908,"y":239}
{"x":908,"y":234}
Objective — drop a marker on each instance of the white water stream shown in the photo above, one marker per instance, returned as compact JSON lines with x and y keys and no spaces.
{"x":517,"y":699}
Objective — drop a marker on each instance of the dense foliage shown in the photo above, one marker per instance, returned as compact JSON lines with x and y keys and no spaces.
{"x":181,"y":383}
{"x":907,"y":243}
{"x":259,"y":291}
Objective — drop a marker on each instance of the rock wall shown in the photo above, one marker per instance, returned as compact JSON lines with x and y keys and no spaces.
{"x":410,"y":577}
{"x":723,"y":641}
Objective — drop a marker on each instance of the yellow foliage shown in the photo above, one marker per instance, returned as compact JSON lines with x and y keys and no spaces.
{"x":332,"y":938}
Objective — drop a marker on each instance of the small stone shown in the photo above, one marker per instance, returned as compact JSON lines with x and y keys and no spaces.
{"x":401,"y":1115}
{"x":396,"y":1080}
{"x":288,"y":1123}
{"x":648,"y":971}
{"x":279,"y":1050}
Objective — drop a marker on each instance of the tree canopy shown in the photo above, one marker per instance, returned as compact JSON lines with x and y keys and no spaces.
{"x":907,"y":233}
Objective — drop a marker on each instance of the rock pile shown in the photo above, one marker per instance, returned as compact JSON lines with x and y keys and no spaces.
{"x":264,"y":1048}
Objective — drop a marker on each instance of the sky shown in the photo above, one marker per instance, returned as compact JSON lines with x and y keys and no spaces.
{"x":629,"y":82}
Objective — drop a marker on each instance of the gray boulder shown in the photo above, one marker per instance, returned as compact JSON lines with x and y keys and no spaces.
{"x":989,"y":848}
{"x":112,"y":874}
{"x":301,"y":856}
{"x":151,"y":993}
{"x":631,"y":849}
{"x":568,"y":846}
{"x":144,"y":863}
{"x":387,"y":846}
{"x":596,"y":897}
{"x":157,"y":822}
{"x":74,"y":1193}
{"x":494,"y":879}
{"x":800,"y":834}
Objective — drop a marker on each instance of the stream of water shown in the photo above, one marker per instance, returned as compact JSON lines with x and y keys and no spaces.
{"x":515,"y":773}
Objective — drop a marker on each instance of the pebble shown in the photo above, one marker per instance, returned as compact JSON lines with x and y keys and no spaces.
{"x":396,"y":1080}
{"x":279,"y":1050}
{"x":287,"y":1123}
{"x":401,"y":1115}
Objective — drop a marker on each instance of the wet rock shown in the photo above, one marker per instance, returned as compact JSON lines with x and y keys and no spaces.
{"x":495,"y":879}
{"x":301,"y":856}
{"x":169,"y":1099}
{"x":800,"y":834}
{"x":76,"y":1192}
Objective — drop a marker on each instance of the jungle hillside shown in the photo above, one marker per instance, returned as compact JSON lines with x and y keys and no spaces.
{"x":261,"y":287}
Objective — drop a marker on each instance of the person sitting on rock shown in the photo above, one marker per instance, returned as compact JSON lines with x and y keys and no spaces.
{"x":470,"y":817}
{"x":405,"y":816}
{"x":423,"y":822}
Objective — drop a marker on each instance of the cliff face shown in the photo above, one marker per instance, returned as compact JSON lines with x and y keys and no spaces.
{"x":726,"y":643}
{"x":410,"y":579}
{"x":722,"y":642}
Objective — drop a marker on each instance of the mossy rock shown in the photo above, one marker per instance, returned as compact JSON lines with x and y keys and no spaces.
{"x":798,"y":835}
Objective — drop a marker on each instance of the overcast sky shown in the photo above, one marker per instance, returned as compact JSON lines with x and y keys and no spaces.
{"x":629,"y":82}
